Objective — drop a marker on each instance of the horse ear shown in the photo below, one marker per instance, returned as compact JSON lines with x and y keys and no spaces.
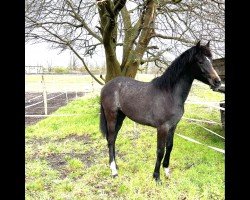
{"x":198,"y":44}
{"x":208,"y":43}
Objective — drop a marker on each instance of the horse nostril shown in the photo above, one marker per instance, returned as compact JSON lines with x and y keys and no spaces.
{"x":217,"y":82}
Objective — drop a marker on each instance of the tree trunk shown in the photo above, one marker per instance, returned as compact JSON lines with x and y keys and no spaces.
{"x":113,"y":68}
{"x":143,"y":30}
{"x":133,"y":51}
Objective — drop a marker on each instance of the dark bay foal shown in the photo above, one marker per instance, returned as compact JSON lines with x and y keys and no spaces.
{"x":159,"y":103}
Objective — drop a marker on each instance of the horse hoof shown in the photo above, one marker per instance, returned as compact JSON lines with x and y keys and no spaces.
{"x":115,"y":175}
{"x":158,"y":181}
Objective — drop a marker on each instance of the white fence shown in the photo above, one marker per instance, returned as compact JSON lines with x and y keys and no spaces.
{"x":33,"y":69}
{"x":48,"y":88}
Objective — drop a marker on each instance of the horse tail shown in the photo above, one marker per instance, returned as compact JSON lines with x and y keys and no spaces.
{"x":103,"y":123}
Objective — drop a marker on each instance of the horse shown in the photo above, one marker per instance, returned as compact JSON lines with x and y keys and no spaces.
{"x":159,"y":103}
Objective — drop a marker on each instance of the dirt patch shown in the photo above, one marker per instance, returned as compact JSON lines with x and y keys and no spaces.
{"x":37,"y":141}
{"x":58,"y":162}
{"x":34,"y":104}
{"x":82,"y":138}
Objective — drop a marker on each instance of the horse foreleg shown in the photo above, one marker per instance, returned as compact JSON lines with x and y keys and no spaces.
{"x":169,"y":146}
{"x":161,"y":142}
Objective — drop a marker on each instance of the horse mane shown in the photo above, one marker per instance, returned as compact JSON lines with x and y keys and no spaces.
{"x":172,"y":73}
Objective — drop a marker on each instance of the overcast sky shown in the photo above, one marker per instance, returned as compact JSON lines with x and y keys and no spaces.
{"x":41,"y":55}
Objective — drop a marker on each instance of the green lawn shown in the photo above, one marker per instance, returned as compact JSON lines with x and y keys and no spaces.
{"x":67,"y":157}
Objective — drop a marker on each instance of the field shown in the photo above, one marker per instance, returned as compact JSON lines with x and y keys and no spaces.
{"x":67,"y":158}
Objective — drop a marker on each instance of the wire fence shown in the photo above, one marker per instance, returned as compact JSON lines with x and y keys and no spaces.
{"x":49,"y":90}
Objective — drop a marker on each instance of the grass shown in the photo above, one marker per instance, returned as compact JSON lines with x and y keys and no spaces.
{"x":67,"y":158}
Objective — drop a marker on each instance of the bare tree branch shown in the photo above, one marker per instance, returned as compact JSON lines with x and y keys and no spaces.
{"x":118,"y":6}
{"x":173,"y":38}
{"x":85,"y":66}
{"x":149,"y":30}
{"x":83,"y":23}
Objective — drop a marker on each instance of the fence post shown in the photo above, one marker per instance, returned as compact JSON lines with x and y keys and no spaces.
{"x":44,"y":97}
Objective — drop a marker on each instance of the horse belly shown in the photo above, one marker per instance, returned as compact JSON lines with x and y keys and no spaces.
{"x":142,"y":120}
{"x":138,"y":112}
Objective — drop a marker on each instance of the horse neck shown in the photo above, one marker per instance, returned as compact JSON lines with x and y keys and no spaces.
{"x":182,"y":88}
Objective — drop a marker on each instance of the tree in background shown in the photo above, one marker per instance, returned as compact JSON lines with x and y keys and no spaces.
{"x":73,"y":62}
{"x":142,"y":30}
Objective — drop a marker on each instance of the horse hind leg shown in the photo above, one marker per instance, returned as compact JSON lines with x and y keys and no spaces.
{"x":119,"y":121}
{"x":114,"y":122}
{"x":120,"y":117}
{"x":111,"y":136}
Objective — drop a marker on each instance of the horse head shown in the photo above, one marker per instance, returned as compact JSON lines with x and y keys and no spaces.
{"x":202,"y":66}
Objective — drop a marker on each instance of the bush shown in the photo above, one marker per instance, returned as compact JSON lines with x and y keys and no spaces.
{"x":60,"y":70}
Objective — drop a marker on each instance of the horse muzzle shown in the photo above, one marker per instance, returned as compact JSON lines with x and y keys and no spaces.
{"x":215,"y":83}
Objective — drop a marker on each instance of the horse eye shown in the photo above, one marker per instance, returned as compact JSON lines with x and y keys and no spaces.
{"x":200,"y":62}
